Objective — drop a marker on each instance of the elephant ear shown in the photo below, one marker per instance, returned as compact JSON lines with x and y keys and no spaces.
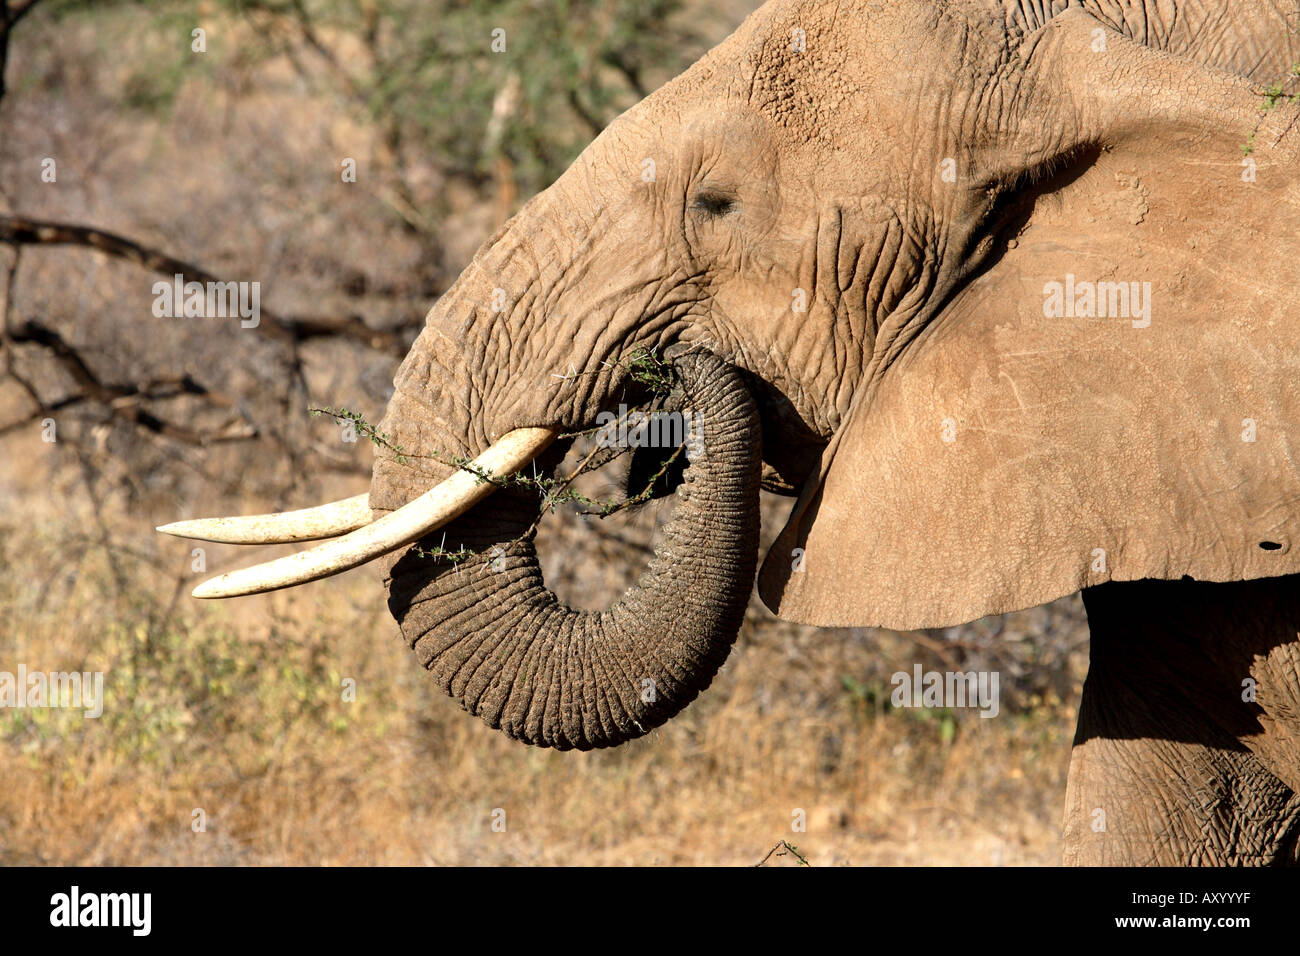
{"x":1027,"y":443}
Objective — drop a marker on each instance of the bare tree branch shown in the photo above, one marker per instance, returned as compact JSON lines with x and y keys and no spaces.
{"x":123,"y":401}
{"x":21,"y":231}
{"x":11,"y":11}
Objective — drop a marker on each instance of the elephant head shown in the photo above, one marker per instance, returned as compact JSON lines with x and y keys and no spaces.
{"x":949,"y":273}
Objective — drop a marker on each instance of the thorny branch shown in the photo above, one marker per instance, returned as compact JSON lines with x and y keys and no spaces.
{"x":1274,"y":95}
{"x":642,"y":367}
{"x":784,"y":849}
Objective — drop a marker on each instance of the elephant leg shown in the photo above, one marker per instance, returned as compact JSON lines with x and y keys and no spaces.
{"x":1185,"y":752}
{"x":1135,"y":800}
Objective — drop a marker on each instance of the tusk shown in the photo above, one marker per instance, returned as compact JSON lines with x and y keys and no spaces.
{"x":452,"y":497}
{"x":307,"y":524}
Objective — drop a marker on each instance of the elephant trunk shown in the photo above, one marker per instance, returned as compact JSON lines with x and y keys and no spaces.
{"x":497,"y":640}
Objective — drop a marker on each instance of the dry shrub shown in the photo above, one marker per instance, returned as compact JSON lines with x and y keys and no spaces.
{"x":238,"y":709}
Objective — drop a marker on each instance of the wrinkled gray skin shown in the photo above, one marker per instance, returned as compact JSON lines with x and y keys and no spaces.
{"x":701,"y":262}
{"x":1183,"y":769}
{"x":1255,"y":39}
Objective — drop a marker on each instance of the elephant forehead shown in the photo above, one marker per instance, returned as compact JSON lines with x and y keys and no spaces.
{"x":845,"y":76}
{"x":801,"y":76}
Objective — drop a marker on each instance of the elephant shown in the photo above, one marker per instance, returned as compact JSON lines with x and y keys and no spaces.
{"x":996,"y":292}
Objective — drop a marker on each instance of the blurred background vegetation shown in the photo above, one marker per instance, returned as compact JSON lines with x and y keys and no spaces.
{"x":227,"y":163}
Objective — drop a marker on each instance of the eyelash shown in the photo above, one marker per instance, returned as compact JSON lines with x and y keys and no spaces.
{"x":714,"y":205}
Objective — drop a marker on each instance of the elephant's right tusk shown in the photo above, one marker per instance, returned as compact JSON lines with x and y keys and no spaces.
{"x":307,"y":524}
{"x":452,"y":497}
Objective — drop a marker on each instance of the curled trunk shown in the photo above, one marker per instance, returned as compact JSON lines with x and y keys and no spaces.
{"x":497,"y":640}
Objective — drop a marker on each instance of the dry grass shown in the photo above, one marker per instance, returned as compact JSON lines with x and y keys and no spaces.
{"x":237,"y":709}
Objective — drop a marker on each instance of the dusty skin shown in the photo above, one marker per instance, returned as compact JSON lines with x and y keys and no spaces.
{"x":857,"y":268}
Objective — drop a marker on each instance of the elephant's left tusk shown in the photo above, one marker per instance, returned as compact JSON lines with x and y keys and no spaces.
{"x":306,"y":524}
{"x":452,"y":497}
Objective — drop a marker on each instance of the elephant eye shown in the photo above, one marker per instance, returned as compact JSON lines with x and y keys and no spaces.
{"x":712,"y":203}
